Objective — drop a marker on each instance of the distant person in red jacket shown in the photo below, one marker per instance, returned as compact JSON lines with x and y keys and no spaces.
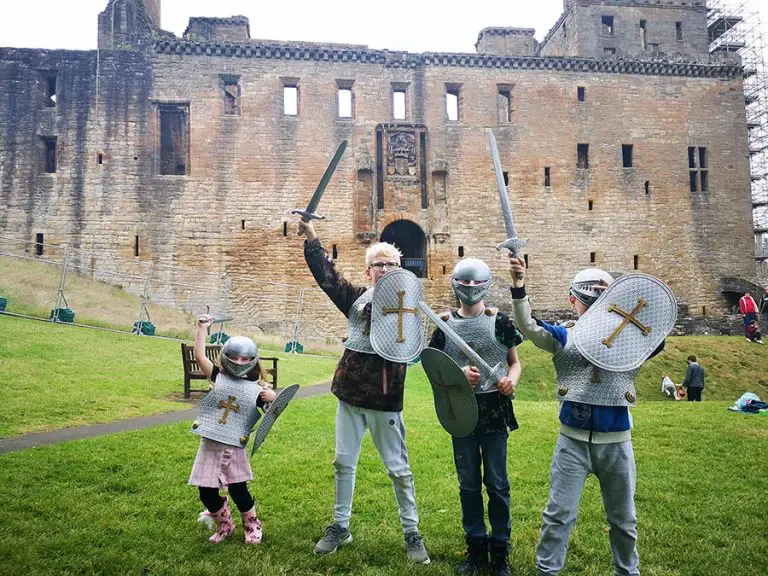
{"x":748,"y":310}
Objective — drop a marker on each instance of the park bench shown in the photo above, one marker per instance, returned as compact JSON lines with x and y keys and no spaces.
{"x":192,"y":370}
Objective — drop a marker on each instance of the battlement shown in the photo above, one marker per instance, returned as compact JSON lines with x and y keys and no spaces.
{"x":506,"y":41}
{"x":232,"y":29}
{"x":692,"y":4}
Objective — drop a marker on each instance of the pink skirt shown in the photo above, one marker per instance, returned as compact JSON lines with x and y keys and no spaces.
{"x":218,"y":465}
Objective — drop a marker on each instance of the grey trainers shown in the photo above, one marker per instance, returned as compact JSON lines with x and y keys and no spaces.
{"x":335,"y":536}
{"x":414,"y":548}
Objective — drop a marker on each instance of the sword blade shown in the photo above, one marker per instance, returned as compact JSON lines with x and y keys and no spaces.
{"x":318,"y":194}
{"x":506,"y":210}
{"x":481,"y":364}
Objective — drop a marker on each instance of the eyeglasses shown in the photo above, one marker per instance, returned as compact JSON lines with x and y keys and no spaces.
{"x":382,"y":265}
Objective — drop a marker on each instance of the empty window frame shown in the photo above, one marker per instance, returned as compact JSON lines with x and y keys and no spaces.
{"x":547,"y":177}
{"x":39,"y":244}
{"x":345,"y":99}
{"x":607,"y":23}
{"x":636,"y":262}
{"x":49,"y":85}
{"x":592,"y":257}
{"x":453,"y":102}
{"x":678,"y":30}
{"x":399,"y":101}
{"x":644,"y":34}
{"x":581,"y":93}
{"x":609,"y":51}
{"x":505,"y":103}
{"x":698,"y":169}
{"x":49,"y":156}
{"x":626,"y":155}
{"x":174,"y":139}
{"x":290,"y":97}
{"x":582,"y":152}
{"x":231,"y":94}
{"x":461,"y":251}
{"x":136,"y":245}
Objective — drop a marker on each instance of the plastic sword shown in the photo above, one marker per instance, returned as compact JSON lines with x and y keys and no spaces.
{"x":492,"y":375}
{"x":309,"y":214}
{"x":512,"y":243}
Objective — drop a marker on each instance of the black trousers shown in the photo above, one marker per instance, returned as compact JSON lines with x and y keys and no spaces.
{"x":694,"y":394}
{"x":213,"y":501}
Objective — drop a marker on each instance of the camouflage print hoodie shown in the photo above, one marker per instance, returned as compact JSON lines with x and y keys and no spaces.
{"x":363,"y":380}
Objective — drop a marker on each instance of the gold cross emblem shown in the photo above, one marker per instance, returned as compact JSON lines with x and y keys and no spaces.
{"x":228,"y":406}
{"x":629,"y":318}
{"x":400,"y":310}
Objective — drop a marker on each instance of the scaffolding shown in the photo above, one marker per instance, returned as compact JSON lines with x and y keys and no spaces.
{"x":735,"y":30}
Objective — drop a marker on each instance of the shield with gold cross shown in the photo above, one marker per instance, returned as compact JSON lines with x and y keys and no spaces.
{"x":626,"y":323}
{"x":228,"y":412}
{"x":397,"y":330}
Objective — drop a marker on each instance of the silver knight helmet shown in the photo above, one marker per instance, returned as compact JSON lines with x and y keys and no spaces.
{"x":471,"y":269}
{"x":239,"y":346}
{"x":584,"y":285}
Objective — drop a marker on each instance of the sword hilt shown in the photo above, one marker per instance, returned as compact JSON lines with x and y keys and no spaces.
{"x":513,"y":245}
{"x":307,"y":217}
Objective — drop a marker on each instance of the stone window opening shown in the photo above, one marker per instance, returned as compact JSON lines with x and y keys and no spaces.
{"x":626,"y":155}
{"x":242,"y":224}
{"x":608,"y":28}
{"x":609,"y":51}
{"x":399,"y":101}
{"x":136,"y":245}
{"x":443,"y":269}
{"x":592,"y":257}
{"x":506,"y":104}
{"x":547,"y":178}
{"x":590,"y":205}
{"x":453,"y":102}
{"x":290,"y":97}
{"x":285,"y":229}
{"x":644,"y":34}
{"x":50,"y":90}
{"x":647,"y":188}
{"x":636,"y":262}
{"x":100,"y":158}
{"x":231,"y":92}
{"x":703,"y":310}
{"x":174,"y":139}
{"x":506,"y":178}
{"x":461,"y":251}
{"x":525,"y":258}
{"x":345,"y":99}
{"x":654,"y":48}
{"x":678,"y":30}
{"x":698,"y":169}
{"x":49,"y":155}
{"x":39,"y":244}
{"x":582,"y":151}
{"x":565,"y":31}
{"x":334,"y":252}
{"x":581,"y":93}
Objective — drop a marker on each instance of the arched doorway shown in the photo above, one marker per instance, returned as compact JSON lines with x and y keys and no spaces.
{"x":410,"y":239}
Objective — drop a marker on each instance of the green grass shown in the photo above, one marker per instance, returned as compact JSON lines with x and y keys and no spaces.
{"x":56,"y":376}
{"x":120,"y":504}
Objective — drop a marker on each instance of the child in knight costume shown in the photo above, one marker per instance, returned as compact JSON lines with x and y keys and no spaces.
{"x":483,"y":453}
{"x":595,"y":429}
{"x":228,"y":413}
{"x":369,"y":389}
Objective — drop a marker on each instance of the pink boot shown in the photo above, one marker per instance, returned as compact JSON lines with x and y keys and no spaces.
{"x":251,"y":527}
{"x":224,"y":524}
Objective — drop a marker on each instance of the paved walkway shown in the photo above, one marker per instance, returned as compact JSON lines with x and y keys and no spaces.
{"x":66,"y":434}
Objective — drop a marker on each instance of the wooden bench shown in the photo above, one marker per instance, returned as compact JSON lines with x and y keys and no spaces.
{"x":192,"y":370}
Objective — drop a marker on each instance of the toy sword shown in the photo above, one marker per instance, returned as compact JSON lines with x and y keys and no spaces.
{"x":512,"y":243}
{"x":492,"y":375}
{"x":309,"y":214}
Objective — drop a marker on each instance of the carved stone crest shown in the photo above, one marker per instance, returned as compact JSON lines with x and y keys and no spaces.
{"x":401,"y":154}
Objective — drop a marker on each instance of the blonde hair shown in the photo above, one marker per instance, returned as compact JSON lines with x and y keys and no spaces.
{"x":381,"y":249}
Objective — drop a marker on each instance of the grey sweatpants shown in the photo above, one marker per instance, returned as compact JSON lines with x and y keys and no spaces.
{"x":388,"y":434}
{"x":614,"y":466}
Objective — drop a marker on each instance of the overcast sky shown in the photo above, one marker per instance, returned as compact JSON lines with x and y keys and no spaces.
{"x":413,"y":25}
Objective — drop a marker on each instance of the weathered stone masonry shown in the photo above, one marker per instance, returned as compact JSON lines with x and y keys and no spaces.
{"x":184,"y":143}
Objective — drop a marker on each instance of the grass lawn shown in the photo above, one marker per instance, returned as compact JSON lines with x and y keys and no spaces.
{"x":66,"y":376}
{"x":120,"y":504}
